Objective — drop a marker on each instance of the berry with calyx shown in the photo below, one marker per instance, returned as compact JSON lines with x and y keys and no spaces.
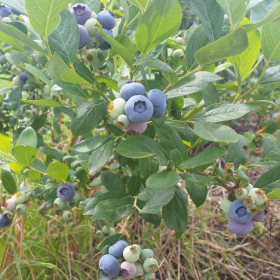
{"x":43,"y":131}
{"x":67,"y":216}
{"x":122,"y":122}
{"x":150,"y":265}
{"x":81,"y":12}
{"x":180,"y":41}
{"x":103,"y":45}
{"x":248,"y":201}
{"x":100,"y":234}
{"x":131,"y":254}
{"x":263,"y":206}
{"x":149,"y":276}
{"x":130,"y":89}
{"x":248,"y":187}
{"x":258,"y":195}
{"x":6,"y":20}
{"x":240,"y":193}
{"x":128,"y":270}
{"x":239,"y":213}
{"x":116,"y":249}
{"x":4,"y":195}
{"x":146,"y":253}
{"x":107,"y":20}
{"x":240,"y":229}
{"x":106,"y":230}
{"x":29,"y":114}
{"x":159,"y":100}
{"x":59,"y":204}
{"x":135,"y":128}
{"x":16,"y":81}
{"x":112,"y":232}
{"x":192,"y":22}
{"x":178,"y":53}
{"x":260,"y":217}
{"x":95,"y":58}
{"x":93,"y":15}
{"x":23,"y":76}
{"x":139,"y":270}
{"x":84,"y":36}
{"x":224,"y":208}
{"x":116,"y":107}
{"x":138,"y":248}
{"x":35,"y":112}
{"x":66,"y":192}
{"x":253,"y":210}
{"x":90,"y":26}
{"x":71,"y":225}
{"x":110,"y":266}
{"x":139,"y":109}
{"x":10,"y":204}
{"x":5,"y":10}
{"x":21,"y":209}
{"x":5,"y":220}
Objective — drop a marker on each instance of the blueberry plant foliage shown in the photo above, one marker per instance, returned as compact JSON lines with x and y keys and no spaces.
{"x":65,"y":121}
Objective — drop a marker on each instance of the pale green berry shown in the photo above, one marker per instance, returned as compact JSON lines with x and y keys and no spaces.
{"x":17,"y":82}
{"x":139,"y":270}
{"x":250,"y":186}
{"x":100,"y":234}
{"x":131,"y":254}
{"x":21,"y":209}
{"x":93,"y":15}
{"x":67,"y":215}
{"x":138,"y":248}
{"x":263,"y":206}
{"x":253,"y":210}
{"x":149,"y":276}
{"x":240,"y":193}
{"x":146,"y":253}
{"x":116,"y":107}
{"x":112,"y":232}
{"x":224,"y":208}
{"x":71,"y":225}
{"x":20,"y":197}
{"x":6,"y":19}
{"x":150,"y":265}
{"x":178,"y":53}
{"x":122,"y":121}
{"x":258,"y":195}
{"x":89,"y":25}
{"x":59,"y":204}
{"x":106,"y":230}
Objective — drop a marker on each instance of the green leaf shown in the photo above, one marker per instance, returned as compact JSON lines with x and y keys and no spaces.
{"x":210,"y":14}
{"x":261,"y":10}
{"x":44,"y":15}
{"x":88,"y":116}
{"x":274,"y":194}
{"x":206,"y":157}
{"x":270,"y":180}
{"x":222,"y":112}
{"x":28,"y":137}
{"x":235,"y":10}
{"x":160,"y":21}
{"x":60,"y":70}
{"x":215,"y":132}
{"x":157,"y":201}
{"x":197,"y":192}
{"x":24,"y":155}
{"x":4,"y":144}
{"x":114,"y":129}
{"x":32,"y":175}
{"x":118,"y":47}
{"x":16,"y":4}
{"x":142,"y":147}
{"x":155,"y":63}
{"x":210,"y":95}
{"x":159,"y":121}
{"x":230,"y":45}
{"x":271,"y":75}
{"x":271,"y":150}
{"x":139,"y":3}
{"x":8,"y":181}
{"x":125,"y":9}
{"x":82,"y":70}
{"x":36,"y":72}
{"x":38,"y":165}
{"x":65,"y":39}
{"x":57,"y":170}
{"x":15,"y":57}
{"x":126,"y":42}
{"x":197,"y":178}
{"x":192,"y":84}
{"x":175,"y":213}
{"x":109,"y":82}
{"x":112,"y":182}
{"x":162,"y":180}
{"x":134,"y":185}
{"x":113,"y":209}
{"x":148,"y":166}
{"x":107,"y":242}
{"x":154,"y":219}
{"x":43,"y":102}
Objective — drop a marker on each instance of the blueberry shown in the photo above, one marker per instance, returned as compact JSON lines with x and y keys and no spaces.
{"x":128,"y":270}
{"x":248,"y":201}
{"x":10,"y":204}
{"x":16,"y":12}
{"x":241,"y":193}
{"x":106,"y":229}
{"x":23,"y":76}
{"x":224,"y":208}
{"x":43,"y":131}
{"x":5,"y":221}
{"x":178,"y":53}
{"x":21,"y":209}
{"x":249,"y":187}
{"x":5,"y":10}
{"x":110,"y":266}
{"x":116,"y":249}
{"x":103,"y":45}
{"x":6,"y":19}
{"x":260,"y":217}
{"x":90,"y":26}
{"x":66,"y":192}
{"x":28,"y":114}
{"x":135,"y":128}
{"x":138,"y":248}
{"x":139,"y":270}
{"x":150,"y":265}
{"x":146,"y":253}
{"x":20,"y":197}
{"x":253,"y":210}
{"x":240,"y":229}
{"x":192,"y":22}
{"x":258,"y":195}
{"x":67,"y":215}
{"x":238,"y":212}
{"x":106,"y":19}
{"x":139,"y":109}
{"x":132,"y":88}
{"x":159,"y":100}
{"x":111,"y":232}
{"x":84,"y":36}
{"x":263,"y":206}
{"x":93,"y":15}
{"x":131,"y":254}
{"x":81,"y":12}
{"x":100,"y":234}
{"x":95,"y":58}
{"x":59,"y":204}
{"x":122,"y":122}
{"x":179,"y":41}
{"x":149,"y":276}
{"x":116,"y":107}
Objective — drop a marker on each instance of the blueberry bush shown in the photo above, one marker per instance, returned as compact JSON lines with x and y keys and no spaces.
{"x":141,"y":97}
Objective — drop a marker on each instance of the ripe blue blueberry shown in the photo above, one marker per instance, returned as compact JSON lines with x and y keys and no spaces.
{"x":81,"y":12}
{"x":130,"y":89}
{"x":159,"y":100}
{"x":84,"y":36}
{"x":5,"y":220}
{"x":128,"y":270}
{"x":5,"y":10}
{"x":146,"y":253}
{"x":131,"y":254}
{"x":240,"y":229}
{"x":238,"y":212}
{"x":135,"y":128}
{"x":116,"y":249}
{"x":110,"y":266}
{"x":66,"y":192}
{"x":106,"y":19}
{"x":16,"y":12}
{"x":150,"y":265}
{"x":23,"y":76}
{"x":260,"y":217}
{"x":139,"y":109}
{"x":192,"y":22}
{"x":103,"y":45}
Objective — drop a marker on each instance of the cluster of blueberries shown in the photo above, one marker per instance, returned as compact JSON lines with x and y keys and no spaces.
{"x":15,"y":204}
{"x":133,"y":109}
{"x":6,"y":12}
{"x":250,"y":206}
{"x":146,"y":267}
{"x":106,"y":230}
{"x":87,"y":21}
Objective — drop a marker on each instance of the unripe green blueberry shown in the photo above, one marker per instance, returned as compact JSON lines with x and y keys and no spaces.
{"x":224,"y":208}
{"x":14,"y":17}
{"x":75,"y":200}
{"x":54,"y":95}
{"x":263,"y":206}
{"x":146,"y":253}
{"x":139,"y":270}
{"x":241,"y":193}
{"x":131,"y":254}
{"x":149,"y":276}
{"x":35,"y":112}
{"x":253,"y":210}
{"x":21,"y":197}
{"x":4,"y":195}
{"x":29,"y":114}
{"x":106,"y":230}
{"x":138,"y":248}
{"x":122,"y":122}
{"x":6,"y":19}
{"x":67,"y":216}
{"x":17,"y":82}
{"x":178,"y":53}
{"x":112,"y":232}
{"x":100,"y":234}
{"x":150,"y":265}
{"x":95,"y":57}
{"x":179,"y":41}
{"x":43,"y":131}
{"x":89,"y":25}
{"x":21,"y":209}
{"x":116,"y":107}
{"x":248,"y":201}
{"x":47,"y":89}
{"x":93,"y":15}
{"x":250,"y":186}
{"x":59,"y":204}
{"x":258,"y":195}
{"x":71,"y":225}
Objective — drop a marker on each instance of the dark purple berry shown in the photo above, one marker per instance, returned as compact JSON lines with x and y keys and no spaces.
{"x":5,"y":221}
{"x":23,"y":76}
{"x":240,"y":229}
{"x":110,"y":266}
{"x":103,"y":45}
{"x":106,"y":19}
{"x":159,"y":100}
{"x":81,"y":12}
{"x":66,"y":192}
{"x":116,"y":249}
{"x":84,"y":36}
